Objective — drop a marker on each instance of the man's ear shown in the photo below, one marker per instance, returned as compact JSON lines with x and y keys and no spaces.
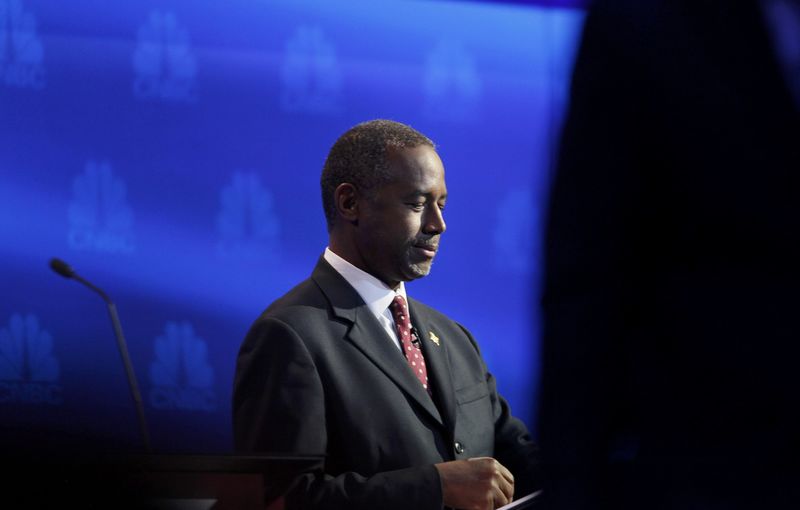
{"x":346,"y":199}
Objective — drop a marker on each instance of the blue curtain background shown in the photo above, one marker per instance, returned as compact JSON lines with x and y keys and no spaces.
{"x":171,"y":151}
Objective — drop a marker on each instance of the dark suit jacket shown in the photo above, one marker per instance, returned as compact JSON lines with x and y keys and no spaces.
{"x":672,"y":335}
{"x":318,"y":374}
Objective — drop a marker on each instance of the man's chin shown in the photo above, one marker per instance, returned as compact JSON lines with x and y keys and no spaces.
{"x":418,"y":270}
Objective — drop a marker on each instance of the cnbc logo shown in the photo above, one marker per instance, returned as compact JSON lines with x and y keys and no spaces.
{"x":163,"y":61}
{"x":311,"y":77}
{"x":21,"y":52}
{"x":29,"y":372}
{"x":451,"y":83}
{"x":180,"y":376}
{"x":99,"y":216}
{"x":246,"y":222}
{"x":514,"y":239}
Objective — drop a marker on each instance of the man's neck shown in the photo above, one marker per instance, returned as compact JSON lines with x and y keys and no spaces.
{"x":351,"y":255}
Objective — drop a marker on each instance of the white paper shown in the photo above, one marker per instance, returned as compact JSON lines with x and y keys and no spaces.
{"x":520,"y":502}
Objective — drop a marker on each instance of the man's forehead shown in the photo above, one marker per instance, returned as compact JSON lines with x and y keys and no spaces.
{"x":417,"y":175}
{"x":422,"y":157}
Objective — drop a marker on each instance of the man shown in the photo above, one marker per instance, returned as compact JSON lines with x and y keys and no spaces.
{"x":404,"y":410}
{"x":670,"y":374}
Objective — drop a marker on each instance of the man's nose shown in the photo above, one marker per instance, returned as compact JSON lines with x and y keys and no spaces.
{"x":434,"y":221}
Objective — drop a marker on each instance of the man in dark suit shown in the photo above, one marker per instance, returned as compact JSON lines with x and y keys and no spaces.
{"x":405,"y":411}
{"x":671,"y":337}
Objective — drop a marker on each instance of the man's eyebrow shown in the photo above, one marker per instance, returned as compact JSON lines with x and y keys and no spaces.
{"x":422,"y":193}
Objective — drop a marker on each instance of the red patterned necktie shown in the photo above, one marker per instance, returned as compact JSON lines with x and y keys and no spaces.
{"x":413,"y":353}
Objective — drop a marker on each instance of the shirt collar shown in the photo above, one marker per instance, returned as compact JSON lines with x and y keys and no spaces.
{"x":376,"y":294}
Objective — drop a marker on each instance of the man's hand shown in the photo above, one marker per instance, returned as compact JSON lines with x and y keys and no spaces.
{"x":480,"y":483}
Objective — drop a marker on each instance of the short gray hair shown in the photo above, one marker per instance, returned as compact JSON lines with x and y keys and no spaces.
{"x":359,"y":157}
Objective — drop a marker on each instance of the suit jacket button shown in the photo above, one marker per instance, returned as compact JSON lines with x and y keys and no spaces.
{"x":459,"y":447}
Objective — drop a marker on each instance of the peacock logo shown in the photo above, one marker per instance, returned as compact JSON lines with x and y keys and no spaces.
{"x":180,"y":375}
{"x":99,"y":216}
{"x":311,"y":76}
{"x":163,"y":61}
{"x":29,"y":371}
{"x":21,"y":50}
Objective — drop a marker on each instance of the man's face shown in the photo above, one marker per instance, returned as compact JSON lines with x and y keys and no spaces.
{"x":400,"y":226}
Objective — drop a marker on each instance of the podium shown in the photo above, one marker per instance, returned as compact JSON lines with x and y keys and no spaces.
{"x":156,"y":482}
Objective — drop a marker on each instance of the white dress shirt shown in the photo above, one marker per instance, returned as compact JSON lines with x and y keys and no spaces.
{"x":376,"y":294}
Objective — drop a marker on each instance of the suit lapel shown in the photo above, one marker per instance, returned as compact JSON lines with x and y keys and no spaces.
{"x":368,"y":335}
{"x":437,"y":360}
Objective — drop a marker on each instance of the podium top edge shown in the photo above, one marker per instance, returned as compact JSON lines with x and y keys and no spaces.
{"x":172,"y":462}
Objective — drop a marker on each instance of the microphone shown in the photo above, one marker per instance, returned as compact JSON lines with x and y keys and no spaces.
{"x":65,"y":270}
{"x":62,"y":268}
{"x":415,"y":338}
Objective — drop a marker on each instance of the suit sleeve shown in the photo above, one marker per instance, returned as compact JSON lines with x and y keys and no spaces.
{"x":514,"y":447}
{"x":279,"y":407}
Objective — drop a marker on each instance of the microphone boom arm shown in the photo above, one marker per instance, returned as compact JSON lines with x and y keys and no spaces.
{"x":66,"y":271}
{"x":126,"y":360}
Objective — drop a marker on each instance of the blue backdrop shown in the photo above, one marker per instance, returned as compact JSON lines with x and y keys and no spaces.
{"x":171,"y":151}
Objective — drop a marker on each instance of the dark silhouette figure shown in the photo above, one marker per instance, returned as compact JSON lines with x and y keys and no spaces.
{"x":672,"y":295}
